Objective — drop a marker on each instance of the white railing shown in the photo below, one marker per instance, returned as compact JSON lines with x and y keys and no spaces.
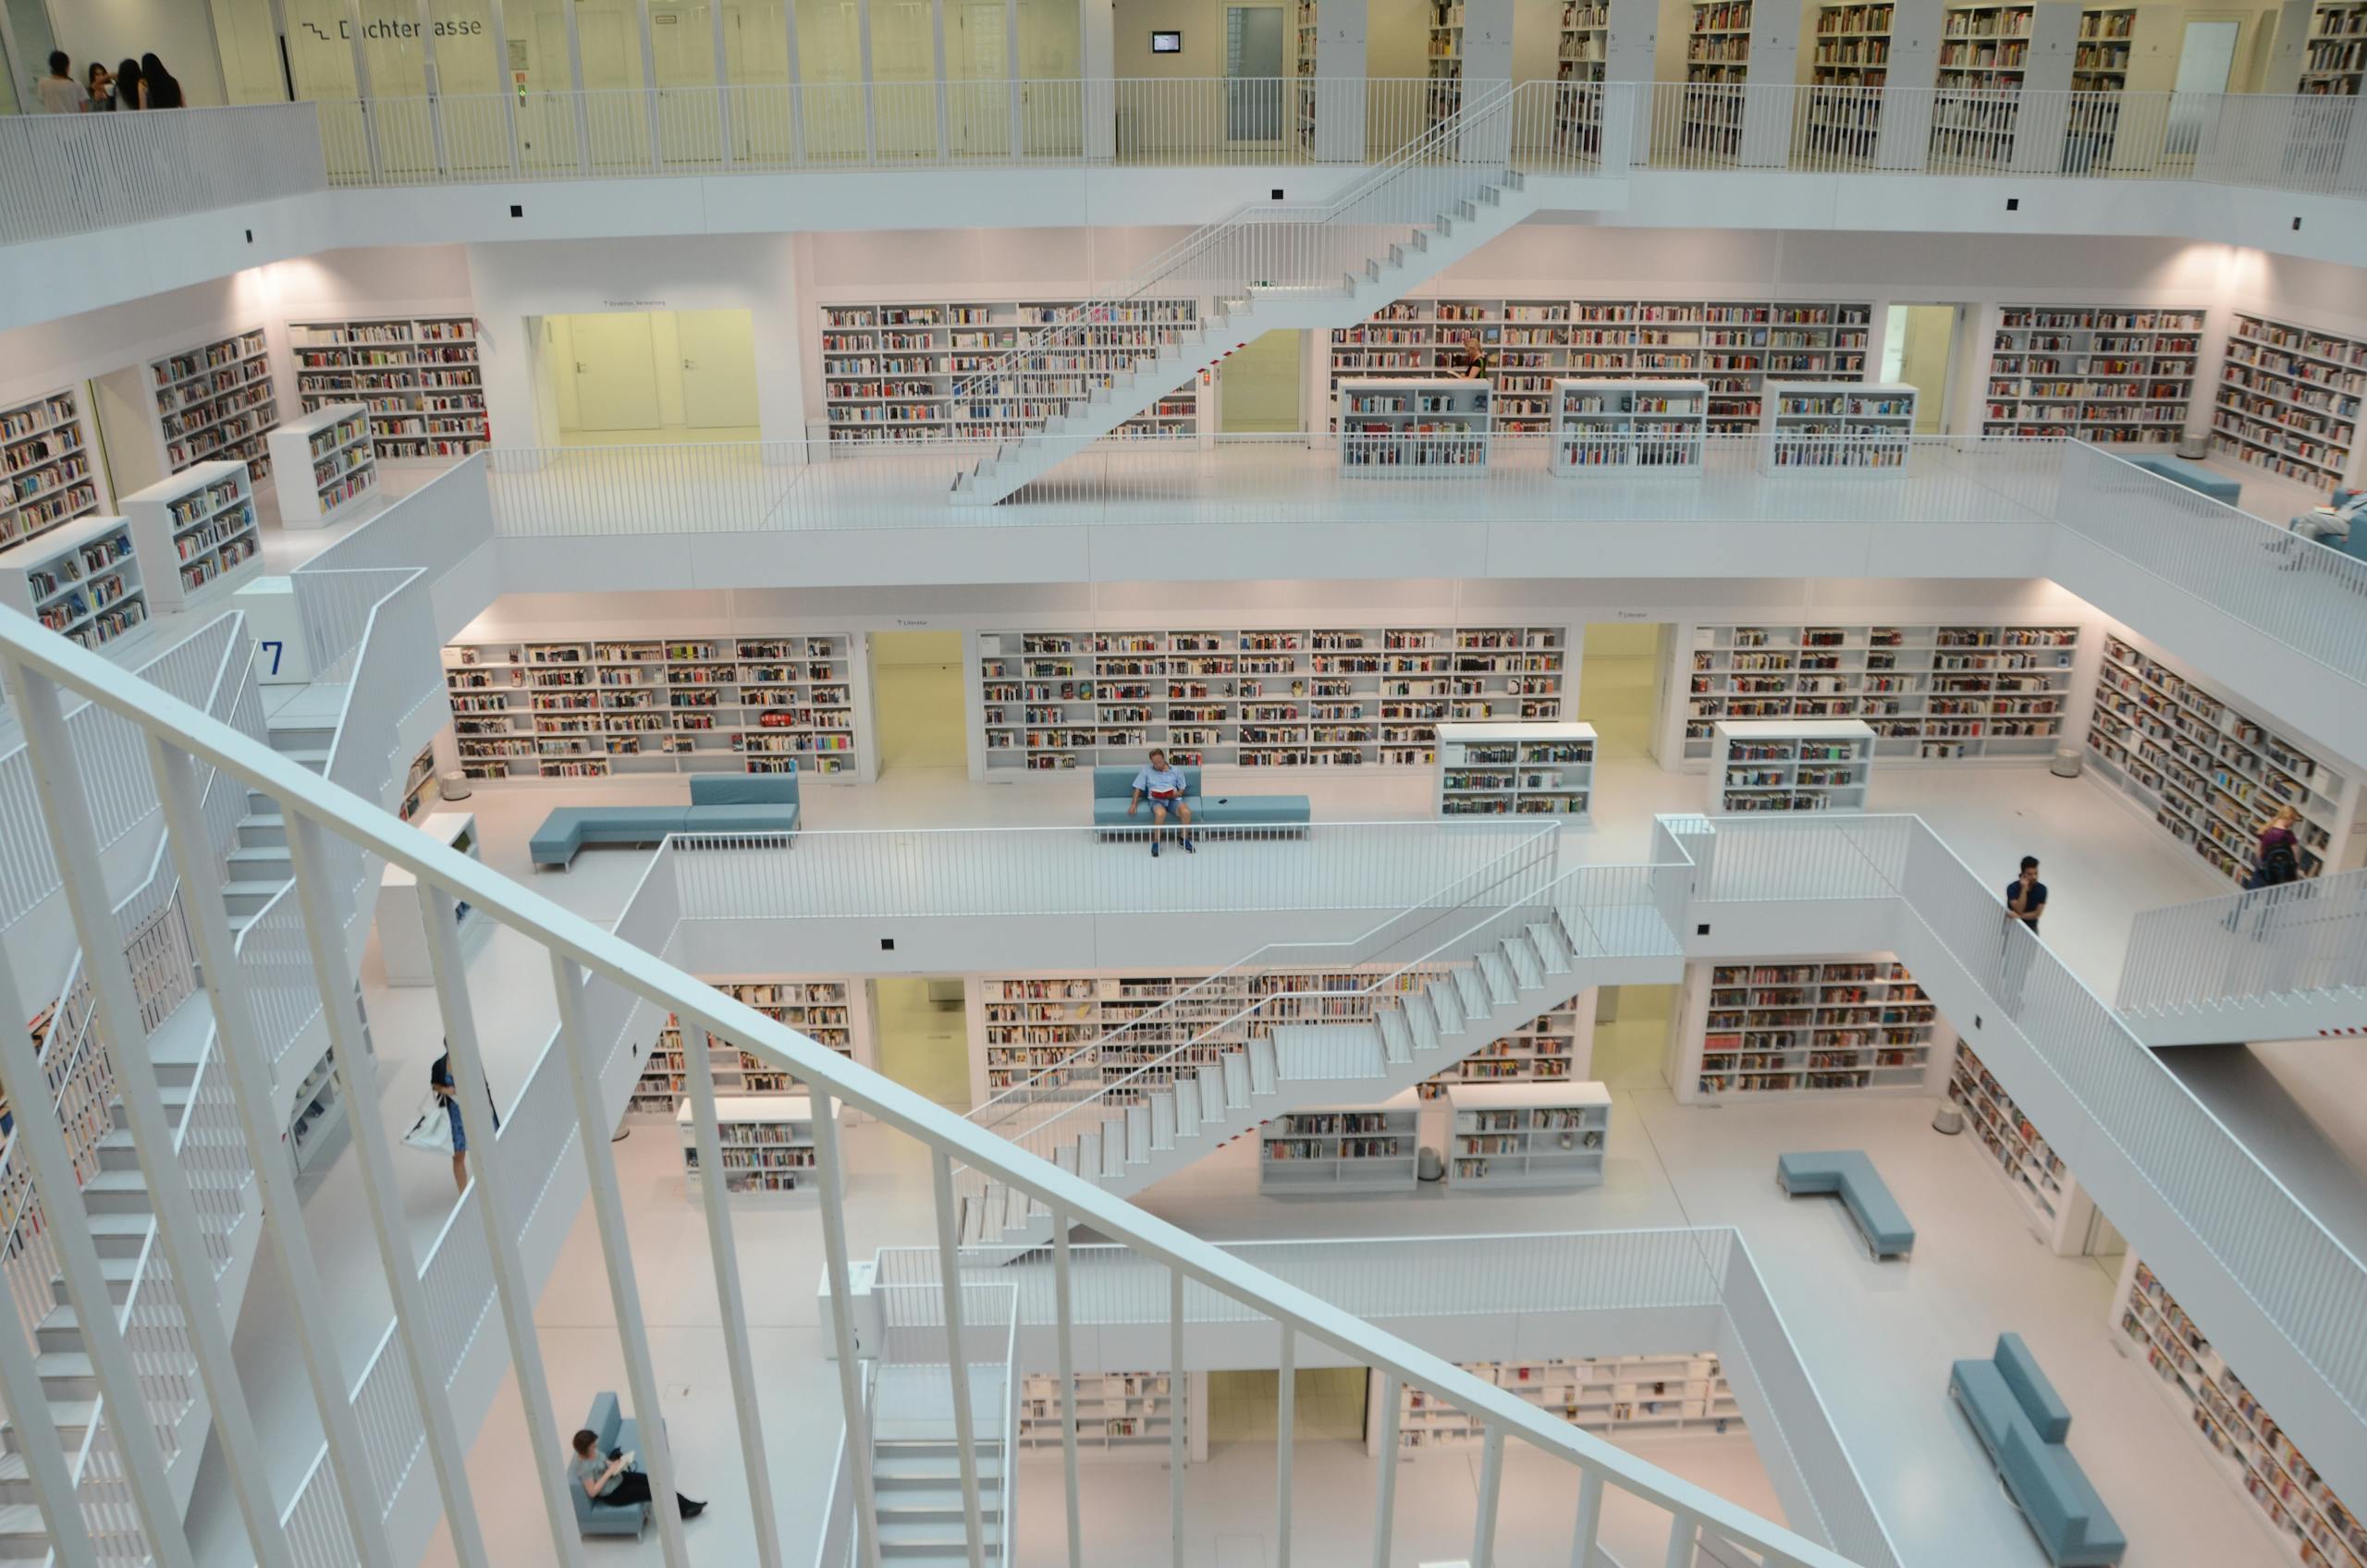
{"x":586,"y":1044}
{"x":2310,"y":1286}
{"x":75,"y":174}
{"x":2221,"y":956}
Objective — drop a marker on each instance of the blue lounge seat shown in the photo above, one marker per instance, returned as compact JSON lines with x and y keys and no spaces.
{"x":1113,"y":789}
{"x":616,"y":1430}
{"x":2024,"y":1425}
{"x":720,"y":802}
{"x":1851,"y":1176}
{"x":2194,"y":476}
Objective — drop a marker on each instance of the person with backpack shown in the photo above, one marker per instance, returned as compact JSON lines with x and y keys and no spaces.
{"x":2279,"y":859}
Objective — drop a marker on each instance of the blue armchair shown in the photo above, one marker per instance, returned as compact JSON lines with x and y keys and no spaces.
{"x":616,"y":1430}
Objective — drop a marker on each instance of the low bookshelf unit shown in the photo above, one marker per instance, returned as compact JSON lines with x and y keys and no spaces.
{"x":1864,"y":429}
{"x":1850,"y":1025}
{"x":1503,"y":1135}
{"x":203,"y":520}
{"x":1341,"y":1149}
{"x":327,"y":465}
{"x":767,"y":1142}
{"x":82,"y":580}
{"x":1399,"y":429}
{"x":1516,"y":770}
{"x":1617,"y":425}
{"x":1790,"y":764}
{"x":1624,"y":1394}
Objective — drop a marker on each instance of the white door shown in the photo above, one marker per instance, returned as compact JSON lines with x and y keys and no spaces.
{"x":616,"y":373}
{"x":719,"y":368}
{"x":2206,"y":59}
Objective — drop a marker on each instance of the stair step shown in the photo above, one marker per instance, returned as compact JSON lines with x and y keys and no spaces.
{"x":117,"y":1192}
{"x":1235,"y":1068}
{"x":1138,"y":1145}
{"x":937,"y":1505}
{"x":120,"y":1235}
{"x":1162,"y":1121}
{"x":1089,"y":1154}
{"x":58,"y":1329}
{"x":1263,"y":1075}
{"x":1182,"y":1098}
{"x":1422,"y":1013}
{"x":1471,"y":990}
{"x":24,"y":1534}
{"x":924,"y":1467}
{"x":1496,"y":974}
{"x":248,"y":897}
{"x":119,"y":1273}
{"x":1396,"y":1033}
{"x":260,"y":863}
{"x":1447,"y":1005}
{"x":263,"y":829}
{"x":175,"y":1096}
{"x":1521,"y":953}
{"x":73,"y":1418}
{"x":67,"y":1375}
{"x":314,"y":757}
{"x":1550,"y":949}
{"x":16,"y":1479}
{"x":116,"y":1152}
{"x":1113,"y":1148}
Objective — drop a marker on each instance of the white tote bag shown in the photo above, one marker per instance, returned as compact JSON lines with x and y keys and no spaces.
{"x":432,"y":1128}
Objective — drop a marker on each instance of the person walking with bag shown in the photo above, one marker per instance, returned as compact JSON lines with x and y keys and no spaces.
{"x":440,"y":1085}
{"x":2279,"y":857}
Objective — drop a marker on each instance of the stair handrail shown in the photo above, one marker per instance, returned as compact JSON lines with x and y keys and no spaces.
{"x":2240,"y":949}
{"x":1546,"y":839}
{"x":1545,"y":900}
{"x":1161,"y":271}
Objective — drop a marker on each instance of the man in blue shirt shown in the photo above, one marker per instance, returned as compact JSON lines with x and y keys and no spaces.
{"x":1163,"y":788}
{"x":2025,"y":903}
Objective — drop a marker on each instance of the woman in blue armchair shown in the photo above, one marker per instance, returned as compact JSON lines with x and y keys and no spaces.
{"x":614,"y":1481}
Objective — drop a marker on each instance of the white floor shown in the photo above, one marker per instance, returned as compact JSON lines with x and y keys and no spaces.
{"x":1877,"y":1338}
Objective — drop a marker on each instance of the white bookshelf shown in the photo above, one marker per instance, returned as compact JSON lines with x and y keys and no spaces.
{"x":1780,"y":1026}
{"x":81,"y":580}
{"x":767,"y":1142}
{"x":1504,"y":1136}
{"x":1119,"y":1415}
{"x":1660,"y":425}
{"x":2107,"y":36}
{"x":818,"y":1009}
{"x":1581,"y":51}
{"x":1444,"y":52}
{"x":2289,"y":400}
{"x":2336,"y":57}
{"x":1407,"y":428}
{"x":327,"y":465}
{"x":202,"y":522}
{"x":1306,"y":40}
{"x":1717,"y":61}
{"x":421,"y":377}
{"x":2102,"y":373}
{"x":1516,"y":770}
{"x":419,"y":781}
{"x":889,"y":369}
{"x":2313,"y":1527}
{"x":1628,"y":1395}
{"x":1024,"y":1025}
{"x":1733,"y":346}
{"x":1983,"y":66}
{"x":216,"y":401}
{"x":1279,"y":697}
{"x":1849,"y":54}
{"x":1341,"y":1149}
{"x":1928,"y":693}
{"x":1790,"y":764}
{"x":1818,"y":426}
{"x":47,"y":463}
{"x":2210,"y":772}
{"x":768,"y":703}
{"x":2056,"y":1206}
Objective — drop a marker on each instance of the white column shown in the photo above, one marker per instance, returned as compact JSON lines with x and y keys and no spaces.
{"x":1683,"y":1534}
{"x":2288,"y":48}
{"x":722,"y":116}
{"x":497,"y":1213}
{"x":1178,"y":1412}
{"x":362,"y":95}
{"x":1341,"y":27}
{"x":1064,"y":1330}
{"x":1099,"y":38}
{"x":1904,"y":141}
{"x":1770,"y":89}
{"x":593,"y":1127}
{"x":434,"y":81}
{"x":1589,"y":1526}
{"x":501,"y":83}
{"x":1285,"y":1441}
{"x":1631,"y":43}
{"x":1384,"y":1513}
{"x":2045,"y":107}
{"x":1491,"y":1488}
{"x":832,"y":1176}
{"x":949,"y":1276}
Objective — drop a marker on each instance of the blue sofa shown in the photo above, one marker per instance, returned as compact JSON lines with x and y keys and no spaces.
{"x":1114,"y":787}
{"x":1848,"y":1174}
{"x":604,"y":1518}
{"x":720,"y":802}
{"x":2023,"y":1424}
{"x":2194,"y":476}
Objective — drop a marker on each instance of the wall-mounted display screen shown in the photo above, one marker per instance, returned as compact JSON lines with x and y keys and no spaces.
{"x":1167,"y":43}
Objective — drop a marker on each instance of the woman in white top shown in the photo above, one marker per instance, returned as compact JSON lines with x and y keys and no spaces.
{"x":1163,"y":788}
{"x":613,"y":1480}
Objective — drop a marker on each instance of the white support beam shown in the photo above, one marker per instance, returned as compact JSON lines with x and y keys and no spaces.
{"x":1285,"y":1441}
{"x":1589,"y":1528}
{"x":832,"y":1175}
{"x":1064,"y":1310}
{"x":965,"y":1436}
{"x":1492,"y":1490}
{"x":594,"y":1128}
{"x":1384,"y":1508}
{"x":1178,"y":1412}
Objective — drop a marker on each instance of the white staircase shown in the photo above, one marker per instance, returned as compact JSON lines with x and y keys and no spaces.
{"x":917,"y":1465}
{"x":1264,"y":268}
{"x":2285,"y":963}
{"x":1124,"y":1141}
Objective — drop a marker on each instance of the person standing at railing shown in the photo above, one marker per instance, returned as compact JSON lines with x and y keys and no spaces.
{"x":2025,"y":903}
{"x":129,"y":87}
{"x":59,"y":92}
{"x":159,"y":89}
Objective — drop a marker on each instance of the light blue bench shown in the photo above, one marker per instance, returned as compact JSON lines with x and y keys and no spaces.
{"x":2194,"y":476}
{"x":1113,"y":787}
{"x":1849,"y":1174}
{"x":616,"y":1430}
{"x":720,"y":802}
{"x":2023,"y":1424}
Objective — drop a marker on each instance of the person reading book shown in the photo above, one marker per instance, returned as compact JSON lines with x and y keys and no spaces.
{"x":614,"y":1481}
{"x":1163,"y":788}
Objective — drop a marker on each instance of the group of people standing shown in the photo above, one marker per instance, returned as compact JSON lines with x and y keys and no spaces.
{"x":143,"y":84}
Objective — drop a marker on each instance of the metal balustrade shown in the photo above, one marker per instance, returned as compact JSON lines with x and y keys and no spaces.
{"x":2226,"y":958}
{"x":78,"y":174}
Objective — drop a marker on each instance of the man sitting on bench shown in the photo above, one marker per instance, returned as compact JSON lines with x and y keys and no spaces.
{"x":1163,"y":787}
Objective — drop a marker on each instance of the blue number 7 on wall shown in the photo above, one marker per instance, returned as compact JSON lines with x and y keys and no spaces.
{"x":274,"y":647}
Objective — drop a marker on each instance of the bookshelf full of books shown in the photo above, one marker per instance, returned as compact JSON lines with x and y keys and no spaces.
{"x":1852,"y":62}
{"x":1732,"y":346}
{"x":1580,"y":55}
{"x":1413,"y":428}
{"x":768,"y":1143}
{"x":328,"y":465}
{"x":761,"y":702}
{"x":817,"y":1009}
{"x":1717,"y":65}
{"x":2099,"y":74}
{"x":2289,"y":400}
{"x":1984,"y":62}
{"x":1368,"y":697}
{"x":1834,"y":430}
{"x":2313,"y":1527}
{"x":890,"y":371}
{"x":2335,"y":59}
{"x":2102,"y":374}
{"x":1443,"y":52}
{"x":81,"y":580}
{"x":216,"y":401}
{"x":1062,"y":1030}
{"x":45,"y":461}
{"x":1781,"y":1026}
{"x":1516,"y":770}
{"x":419,"y":782}
{"x":1119,"y":1415}
{"x":2056,"y":1206}
{"x":202,"y":519}
{"x":2210,"y":772}
{"x":1341,"y":1150}
{"x":1928,"y":693}
{"x":1507,"y":1136}
{"x":1307,"y":40}
{"x":1622,"y":1394}
{"x":419,"y":378}
{"x":1790,"y":764}
{"x":1611,"y":427}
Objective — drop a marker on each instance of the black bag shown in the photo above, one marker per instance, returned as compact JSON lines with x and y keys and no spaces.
{"x":2277,"y":865}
